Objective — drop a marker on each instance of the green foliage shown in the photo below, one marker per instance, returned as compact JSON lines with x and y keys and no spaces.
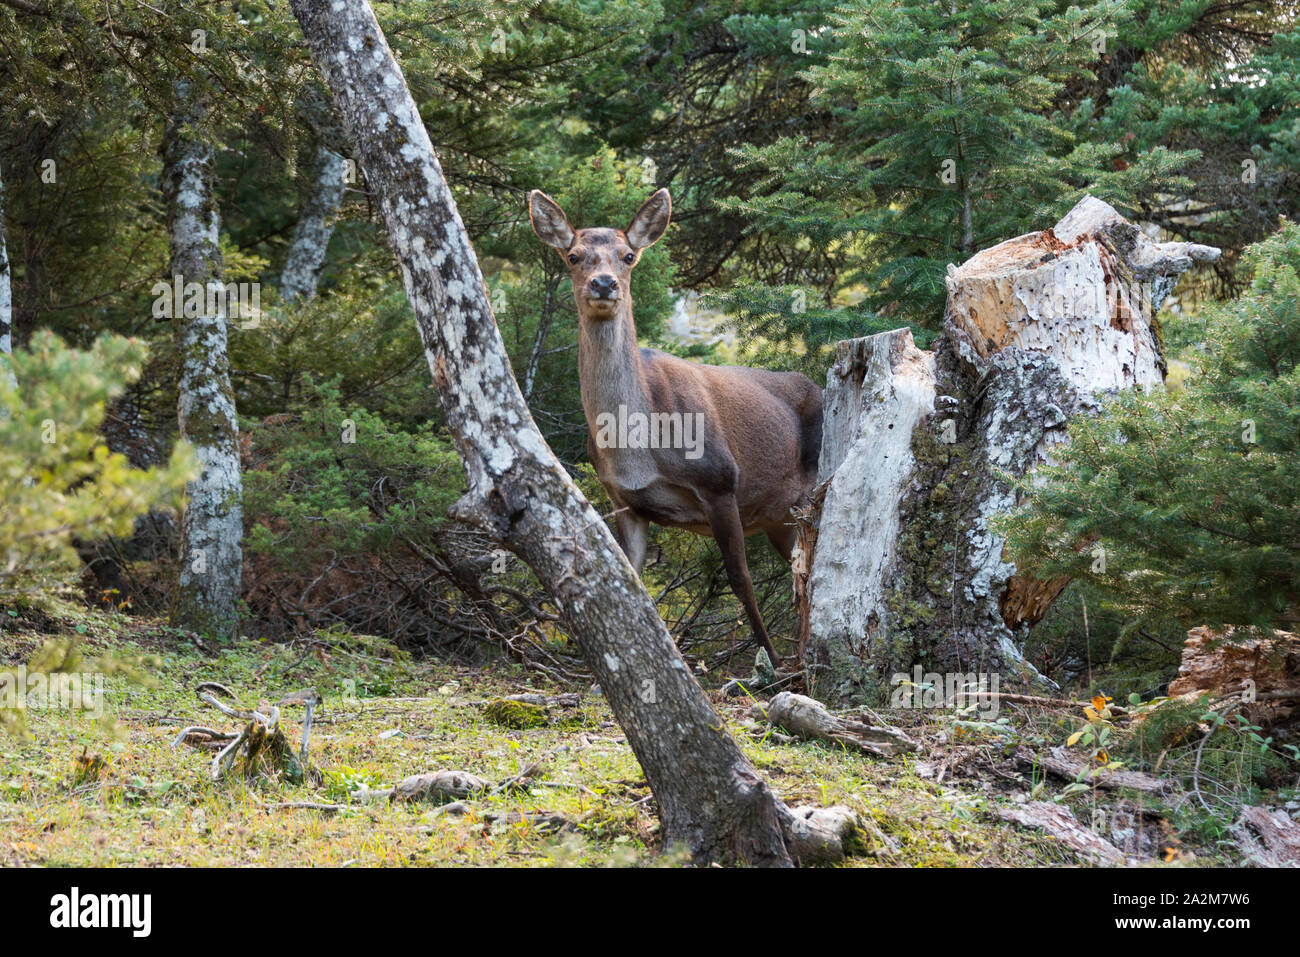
{"x":58,"y":480}
{"x":1184,"y":505}
{"x":948,"y":137}
{"x":1174,"y":724}
{"x":362,"y":335}
{"x":1083,"y":639}
{"x":1220,"y":86}
{"x":1096,"y":739}
{"x":340,"y":481}
{"x":342,"y":781}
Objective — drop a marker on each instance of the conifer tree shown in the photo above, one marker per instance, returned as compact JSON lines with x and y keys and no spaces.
{"x":947,"y":140}
{"x":1194,"y":514}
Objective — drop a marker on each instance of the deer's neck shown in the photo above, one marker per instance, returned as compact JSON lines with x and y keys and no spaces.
{"x":609,"y":366}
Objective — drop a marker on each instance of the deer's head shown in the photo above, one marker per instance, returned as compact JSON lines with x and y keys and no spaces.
{"x":600,"y":259}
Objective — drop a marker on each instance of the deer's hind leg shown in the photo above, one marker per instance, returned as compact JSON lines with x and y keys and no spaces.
{"x":729,"y":533}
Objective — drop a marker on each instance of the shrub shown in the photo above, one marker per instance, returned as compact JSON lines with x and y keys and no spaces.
{"x":1183,"y":506}
{"x":58,"y":480}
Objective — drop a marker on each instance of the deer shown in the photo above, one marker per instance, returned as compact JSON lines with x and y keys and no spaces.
{"x":722,"y":451}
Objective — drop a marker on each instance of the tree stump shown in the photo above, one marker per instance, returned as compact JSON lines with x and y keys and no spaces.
{"x":921,"y":449}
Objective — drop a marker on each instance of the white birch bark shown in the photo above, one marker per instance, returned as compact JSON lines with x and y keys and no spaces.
{"x":920,"y":449}
{"x":6,"y":300}
{"x":211,"y":560}
{"x":710,"y":798}
{"x":311,"y":234}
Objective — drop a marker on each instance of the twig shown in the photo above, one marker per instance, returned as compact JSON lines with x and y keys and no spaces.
{"x":196,"y":729}
{"x":227,"y":755}
{"x":1229,"y":707}
{"x":565,"y":786}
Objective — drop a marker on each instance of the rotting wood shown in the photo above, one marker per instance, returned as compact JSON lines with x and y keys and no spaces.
{"x":921,"y":450}
{"x":1058,"y":762}
{"x":1059,"y":821}
{"x":1278,"y":844}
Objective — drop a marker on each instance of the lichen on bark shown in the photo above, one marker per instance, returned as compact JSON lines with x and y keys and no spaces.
{"x":311,"y":234}
{"x":211,"y":558}
{"x":710,"y":798}
{"x":1036,"y":330}
{"x":6,"y":300}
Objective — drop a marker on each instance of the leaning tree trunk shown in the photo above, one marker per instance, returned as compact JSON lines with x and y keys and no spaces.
{"x":212,"y":527}
{"x":920,"y":450}
{"x":710,"y":798}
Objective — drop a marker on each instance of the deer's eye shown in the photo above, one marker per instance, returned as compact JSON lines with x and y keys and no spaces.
{"x":630,"y":258}
{"x":573,"y":257}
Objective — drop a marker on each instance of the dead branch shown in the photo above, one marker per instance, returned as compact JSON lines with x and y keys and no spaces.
{"x":211,"y":733}
{"x":806,"y":718}
{"x":260,"y":742}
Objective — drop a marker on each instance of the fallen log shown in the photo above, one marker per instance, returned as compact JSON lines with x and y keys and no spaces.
{"x":1060,"y":763}
{"x":439,"y":787}
{"x":1059,"y":821}
{"x":1279,"y":837}
{"x":820,"y":835}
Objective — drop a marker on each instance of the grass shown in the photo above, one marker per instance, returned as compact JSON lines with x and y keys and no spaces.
{"x":386,"y":716}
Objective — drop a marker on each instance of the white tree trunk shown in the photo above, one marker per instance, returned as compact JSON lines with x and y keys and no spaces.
{"x":311,"y":235}
{"x":212,"y":527}
{"x":710,"y":798}
{"x":6,"y":300}
{"x":920,"y":449}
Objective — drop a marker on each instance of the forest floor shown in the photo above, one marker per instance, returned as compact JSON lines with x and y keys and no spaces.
{"x":80,"y":789}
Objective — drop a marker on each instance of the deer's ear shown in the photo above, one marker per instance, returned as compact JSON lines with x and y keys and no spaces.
{"x":549,"y":222}
{"x":650,"y":221}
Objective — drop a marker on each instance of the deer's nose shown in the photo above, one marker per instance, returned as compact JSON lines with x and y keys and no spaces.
{"x":603,"y":286}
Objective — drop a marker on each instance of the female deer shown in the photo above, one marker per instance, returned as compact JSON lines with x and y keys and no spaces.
{"x":724,"y":451}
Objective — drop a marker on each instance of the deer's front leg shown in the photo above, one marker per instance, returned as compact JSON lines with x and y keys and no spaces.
{"x":724,"y":521}
{"x":633,"y":534}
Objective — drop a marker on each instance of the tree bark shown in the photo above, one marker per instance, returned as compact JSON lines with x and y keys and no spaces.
{"x":311,"y":235}
{"x":6,"y":300}
{"x":208,"y":587}
{"x":710,"y":798}
{"x":920,"y":450}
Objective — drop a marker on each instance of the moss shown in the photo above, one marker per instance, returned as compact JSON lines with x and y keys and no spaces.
{"x":931,"y":523}
{"x":519,"y":715}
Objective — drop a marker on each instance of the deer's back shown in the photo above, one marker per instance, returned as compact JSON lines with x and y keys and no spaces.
{"x":762,"y":430}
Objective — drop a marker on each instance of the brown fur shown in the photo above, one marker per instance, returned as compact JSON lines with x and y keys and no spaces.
{"x":761,"y":429}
